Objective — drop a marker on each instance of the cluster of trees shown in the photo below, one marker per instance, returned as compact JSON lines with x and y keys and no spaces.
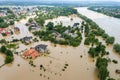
{"x":3,"y":24}
{"x":40,"y":20}
{"x":103,"y":73}
{"x":3,"y":41}
{"x":102,"y":64}
{"x":90,"y":39}
{"x":110,"y":40}
{"x":116,"y":47}
{"x":56,"y":34}
{"x":30,"y":20}
{"x":110,"y":11}
{"x":9,"y":55}
{"x":98,"y":50}
{"x":53,"y":12}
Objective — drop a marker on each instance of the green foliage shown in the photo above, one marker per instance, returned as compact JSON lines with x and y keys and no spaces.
{"x":1,"y":19}
{"x":101,"y":65}
{"x":40,"y":20}
{"x":9,"y":55}
{"x":50,"y":26}
{"x":110,"y":40}
{"x":93,"y":52}
{"x":114,"y":61}
{"x":3,"y":41}
{"x":3,"y":25}
{"x":105,"y":36}
{"x":111,"y":79}
{"x":116,"y":47}
{"x":11,"y":16}
{"x":11,"y":22}
{"x":8,"y":59}
{"x":3,"y":49}
{"x":11,"y":46}
{"x":30,"y":28}
{"x":99,"y":49}
{"x":4,"y":34}
{"x":53,"y":12}
{"x":57,"y":35}
{"x":30,"y":20}
{"x":110,"y":11}
{"x":103,"y":73}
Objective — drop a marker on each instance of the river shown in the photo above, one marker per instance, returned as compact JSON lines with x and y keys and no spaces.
{"x":109,"y":24}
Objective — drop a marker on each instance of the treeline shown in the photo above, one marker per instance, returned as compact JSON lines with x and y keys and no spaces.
{"x":53,"y":12}
{"x":110,"y":11}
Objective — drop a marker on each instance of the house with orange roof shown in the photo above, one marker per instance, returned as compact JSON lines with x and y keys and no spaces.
{"x":31,"y":54}
{"x":1,"y":30}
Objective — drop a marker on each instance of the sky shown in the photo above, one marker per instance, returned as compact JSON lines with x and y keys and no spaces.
{"x":61,"y":0}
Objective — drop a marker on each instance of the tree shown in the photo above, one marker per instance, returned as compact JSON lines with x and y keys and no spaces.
{"x":111,"y":79}
{"x":9,"y":53}
{"x":3,"y":25}
{"x":50,"y":26}
{"x":3,"y":49}
{"x":93,"y":52}
{"x":40,"y":20}
{"x":103,"y":73}
{"x":11,"y":22}
{"x":101,"y":65}
{"x":8,"y":59}
{"x":110,"y":40}
{"x":3,"y":41}
{"x":1,"y":19}
{"x":116,"y":47}
{"x":30,"y":20}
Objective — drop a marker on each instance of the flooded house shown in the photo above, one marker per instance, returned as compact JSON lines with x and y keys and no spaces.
{"x":30,"y":54}
{"x":16,"y":30}
{"x":27,"y":39}
{"x":35,"y":28}
{"x":76,"y":25}
{"x":41,"y":48}
{"x":1,"y":30}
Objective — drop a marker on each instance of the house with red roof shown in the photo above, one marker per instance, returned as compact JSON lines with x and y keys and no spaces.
{"x":31,"y":54}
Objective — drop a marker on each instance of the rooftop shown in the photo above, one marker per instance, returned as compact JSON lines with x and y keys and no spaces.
{"x":32,"y":53}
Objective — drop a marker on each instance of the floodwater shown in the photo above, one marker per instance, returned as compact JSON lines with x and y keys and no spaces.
{"x":112,"y":27}
{"x":110,"y":24}
{"x":78,"y":69}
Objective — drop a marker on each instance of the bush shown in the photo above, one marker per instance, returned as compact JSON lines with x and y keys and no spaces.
{"x":3,"y":49}
{"x":116,"y":47}
{"x":114,"y":61}
{"x":8,"y":59}
{"x":101,"y":65}
{"x":110,"y":40}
